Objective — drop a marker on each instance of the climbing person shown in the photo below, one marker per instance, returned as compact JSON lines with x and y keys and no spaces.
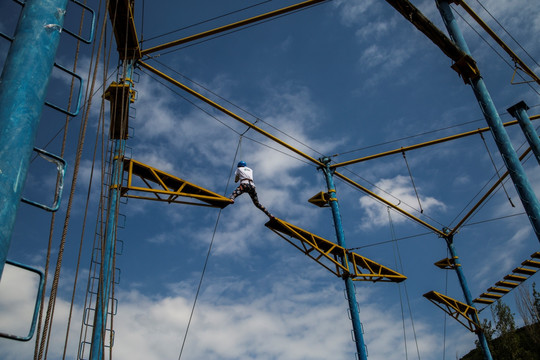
{"x":245,"y":176}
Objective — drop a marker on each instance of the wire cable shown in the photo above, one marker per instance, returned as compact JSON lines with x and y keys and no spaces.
{"x":224,"y":124}
{"x":239,"y":107}
{"x":401,"y":269}
{"x":496,"y":170}
{"x":208,"y":254}
{"x":507,"y":32}
{"x":204,"y":21}
{"x":236,"y":30}
{"x":494,"y":50}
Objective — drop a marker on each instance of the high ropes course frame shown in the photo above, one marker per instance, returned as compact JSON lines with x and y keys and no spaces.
{"x":146,"y":182}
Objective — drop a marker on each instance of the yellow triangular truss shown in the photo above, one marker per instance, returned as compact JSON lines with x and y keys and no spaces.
{"x":166,"y":187}
{"x":330,"y":255}
{"x":463,"y":313}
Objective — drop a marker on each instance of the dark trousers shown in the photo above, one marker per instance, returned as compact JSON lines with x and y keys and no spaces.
{"x":250,"y":189}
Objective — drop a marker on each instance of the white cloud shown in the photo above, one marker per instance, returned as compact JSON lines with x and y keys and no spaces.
{"x":352,"y":12}
{"x":402,"y":195}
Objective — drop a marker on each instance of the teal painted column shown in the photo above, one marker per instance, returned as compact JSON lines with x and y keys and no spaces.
{"x":97,"y":346}
{"x":467,"y":294}
{"x":519,"y":111}
{"x":23,"y":86}
{"x":349,"y":285}
{"x":511,"y":159}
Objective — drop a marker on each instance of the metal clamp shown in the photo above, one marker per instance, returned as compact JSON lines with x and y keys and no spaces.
{"x":61,"y":167}
{"x":79,"y":98}
{"x":91,"y":36}
{"x":36,"y":308}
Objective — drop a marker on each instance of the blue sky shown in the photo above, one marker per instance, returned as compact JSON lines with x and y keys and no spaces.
{"x":352,"y":78}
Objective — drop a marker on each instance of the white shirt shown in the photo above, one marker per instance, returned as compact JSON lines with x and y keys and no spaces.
{"x":244,"y":174}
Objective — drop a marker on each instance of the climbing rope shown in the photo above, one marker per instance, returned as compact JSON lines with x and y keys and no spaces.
{"x":209,"y":250}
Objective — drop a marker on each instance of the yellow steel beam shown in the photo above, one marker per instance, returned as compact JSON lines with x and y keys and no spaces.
{"x":418,"y":146}
{"x":498,"y":40}
{"x":329,"y":254}
{"x":486,"y":195}
{"x":455,"y":309}
{"x":228,"y":112}
{"x":166,"y":187}
{"x":387,"y":203}
{"x":232,"y":26}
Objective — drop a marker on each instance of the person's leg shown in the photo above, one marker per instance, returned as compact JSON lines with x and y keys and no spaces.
{"x":253,"y":194}
{"x":238,"y":191}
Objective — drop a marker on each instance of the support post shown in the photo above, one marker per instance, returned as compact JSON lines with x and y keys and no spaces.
{"x":349,"y":285}
{"x":511,"y":159}
{"x":109,"y":244}
{"x":468,"y":298}
{"x":23,"y":86}
{"x":519,"y":111}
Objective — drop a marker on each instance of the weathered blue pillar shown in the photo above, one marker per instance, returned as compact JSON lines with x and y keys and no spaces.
{"x":519,"y":111}
{"x":349,"y":285}
{"x":23,"y":86}
{"x":511,"y":159}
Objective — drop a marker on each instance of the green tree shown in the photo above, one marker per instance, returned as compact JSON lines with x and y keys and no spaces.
{"x":505,"y":328}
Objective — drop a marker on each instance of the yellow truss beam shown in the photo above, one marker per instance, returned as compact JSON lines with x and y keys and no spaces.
{"x":166,"y":187}
{"x":466,"y":315}
{"x":330,"y":255}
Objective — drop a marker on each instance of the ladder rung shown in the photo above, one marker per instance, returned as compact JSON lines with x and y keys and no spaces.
{"x":484,"y":301}
{"x":514,"y":277}
{"x":525,"y":271}
{"x":531,"y":263}
{"x":491,"y":296}
{"x":499,"y":290}
{"x":508,"y":284}
{"x":536,"y":255}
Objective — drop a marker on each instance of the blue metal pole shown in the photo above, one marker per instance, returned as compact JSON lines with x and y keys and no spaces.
{"x":511,"y":159}
{"x":108,"y":250}
{"x":349,"y":285}
{"x":468,"y":298}
{"x":23,"y":86}
{"x":519,"y":111}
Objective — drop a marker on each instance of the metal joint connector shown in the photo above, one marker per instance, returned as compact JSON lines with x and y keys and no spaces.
{"x":466,"y":68}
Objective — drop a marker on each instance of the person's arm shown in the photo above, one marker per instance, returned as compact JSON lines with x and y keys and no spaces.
{"x":236,"y":176}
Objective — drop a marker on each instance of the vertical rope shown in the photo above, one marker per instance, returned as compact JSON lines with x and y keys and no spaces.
{"x":413,"y":184}
{"x":393,"y":236}
{"x":208,"y":253}
{"x":496,"y":170}
{"x":404,"y":285}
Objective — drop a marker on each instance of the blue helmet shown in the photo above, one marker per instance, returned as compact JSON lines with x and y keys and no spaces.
{"x":241,"y":164}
